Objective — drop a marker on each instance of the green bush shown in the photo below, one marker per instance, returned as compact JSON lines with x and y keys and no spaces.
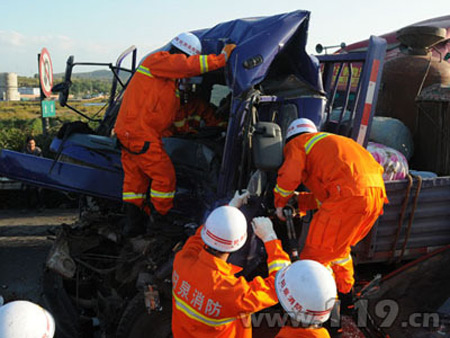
{"x":13,"y":134}
{"x":21,"y":119}
{"x":12,"y":138}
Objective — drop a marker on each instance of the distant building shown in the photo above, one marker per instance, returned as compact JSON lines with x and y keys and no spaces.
{"x":8,"y":87}
{"x":28,"y":93}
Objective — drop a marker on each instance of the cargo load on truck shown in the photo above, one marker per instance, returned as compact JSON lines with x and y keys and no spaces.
{"x":412,"y":118}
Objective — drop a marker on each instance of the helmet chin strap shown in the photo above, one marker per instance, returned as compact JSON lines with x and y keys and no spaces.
{"x":216,"y":253}
{"x":175,"y":50}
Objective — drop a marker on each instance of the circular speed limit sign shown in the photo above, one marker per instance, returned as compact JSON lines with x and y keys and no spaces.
{"x":46,"y":72}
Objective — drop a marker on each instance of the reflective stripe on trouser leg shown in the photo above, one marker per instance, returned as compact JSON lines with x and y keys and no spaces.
{"x":132,"y":197}
{"x":343,"y":273}
{"x":135,"y":182}
{"x":158,"y":166}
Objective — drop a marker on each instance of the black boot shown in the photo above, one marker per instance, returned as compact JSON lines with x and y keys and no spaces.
{"x":347,"y":306}
{"x":334,"y":325}
{"x":343,"y":307}
{"x":156,"y":221}
{"x":136,"y":220}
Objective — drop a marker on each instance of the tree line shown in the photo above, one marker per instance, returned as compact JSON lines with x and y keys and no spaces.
{"x":81,"y":87}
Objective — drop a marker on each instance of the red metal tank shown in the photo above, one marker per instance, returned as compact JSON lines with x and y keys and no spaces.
{"x":411,"y":91}
{"x":403,"y":78}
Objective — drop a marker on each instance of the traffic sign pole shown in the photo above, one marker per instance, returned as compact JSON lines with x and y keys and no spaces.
{"x":45,"y":120}
{"x":46,"y":84}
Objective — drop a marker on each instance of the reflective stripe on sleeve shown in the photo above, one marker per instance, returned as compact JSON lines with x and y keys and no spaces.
{"x":195,"y":315}
{"x":180,"y":123}
{"x":318,"y":203}
{"x":282,"y":192}
{"x":128,"y":196}
{"x":277,"y":265}
{"x":195,"y":117}
{"x":313,"y":140}
{"x":204,"y":63}
{"x":144,"y":70}
{"x":342,"y":261}
{"x":160,"y":194}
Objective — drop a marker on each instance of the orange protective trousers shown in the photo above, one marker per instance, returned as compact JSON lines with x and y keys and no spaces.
{"x":154,"y":163}
{"x":340,"y":223}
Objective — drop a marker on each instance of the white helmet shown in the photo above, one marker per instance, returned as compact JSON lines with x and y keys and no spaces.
{"x":188,"y":43}
{"x":23,"y":319}
{"x":299,"y":126}
{"x":225,"y":229}
{"x":306,"y":291}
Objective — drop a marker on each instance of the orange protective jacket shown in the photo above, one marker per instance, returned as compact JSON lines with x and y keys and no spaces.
{"x":151,"y":99}
{"x":327,"y":165}
{"x":210,"y":301}
{"x":346,"y":182}
{"x":289,"y":331}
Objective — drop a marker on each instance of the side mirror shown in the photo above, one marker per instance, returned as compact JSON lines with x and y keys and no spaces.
{"x":63,"y":88}
{"x":59,"y":87}
{"x":267,"y":146}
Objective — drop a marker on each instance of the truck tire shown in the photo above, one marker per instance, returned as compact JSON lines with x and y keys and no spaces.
{"x":136,"y":322}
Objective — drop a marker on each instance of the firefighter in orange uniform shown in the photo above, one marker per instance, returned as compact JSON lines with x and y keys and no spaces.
{"x":148,"y":109}
{"x":194,"y":113}
{"x":208,"y":299}
{"x":345,"y":184}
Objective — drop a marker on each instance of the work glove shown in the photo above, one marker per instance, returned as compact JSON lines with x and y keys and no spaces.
{"x":227,"y":49}
{"x":263,"y":228}
{"x":279,"y":210}
{"x":239,"y":199}
{"x":280,"y":214}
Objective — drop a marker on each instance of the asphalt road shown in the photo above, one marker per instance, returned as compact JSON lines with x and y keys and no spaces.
{"x":25,"y":239}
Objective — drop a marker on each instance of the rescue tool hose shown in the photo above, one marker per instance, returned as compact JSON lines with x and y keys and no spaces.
{"x":288,"y":212}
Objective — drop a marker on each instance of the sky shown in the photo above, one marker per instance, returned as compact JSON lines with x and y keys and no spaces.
{"x":99,"y":30}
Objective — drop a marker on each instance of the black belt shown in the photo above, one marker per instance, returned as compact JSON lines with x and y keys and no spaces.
{"x":140,"y":152}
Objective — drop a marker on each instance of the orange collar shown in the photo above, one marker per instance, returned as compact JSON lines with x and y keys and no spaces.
{"x":218,"y":264}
